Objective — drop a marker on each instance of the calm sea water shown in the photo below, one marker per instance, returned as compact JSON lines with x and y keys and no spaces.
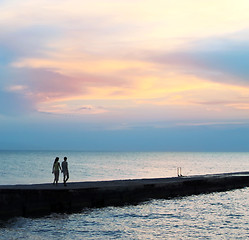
{"x":222,"y":215}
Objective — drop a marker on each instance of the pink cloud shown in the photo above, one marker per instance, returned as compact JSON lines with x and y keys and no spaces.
{"x":38,"y":86}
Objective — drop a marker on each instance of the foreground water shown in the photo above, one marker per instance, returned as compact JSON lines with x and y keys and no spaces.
{"x":211,"y":216}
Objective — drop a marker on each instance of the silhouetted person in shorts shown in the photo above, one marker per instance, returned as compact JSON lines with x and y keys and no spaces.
{"x":64,"y":170}
{"x":56,"y":170}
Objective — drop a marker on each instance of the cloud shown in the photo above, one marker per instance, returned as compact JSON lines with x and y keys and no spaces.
{"x":55,"y":53}
{"x":216,"y":59}
{"x":67,"y":109}
{"x":48,"y":91}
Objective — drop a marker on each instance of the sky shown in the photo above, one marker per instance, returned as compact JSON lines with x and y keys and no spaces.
{"x":124,"y":75}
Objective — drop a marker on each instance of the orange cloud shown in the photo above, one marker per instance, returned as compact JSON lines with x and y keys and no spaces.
{"x":72,"y":54}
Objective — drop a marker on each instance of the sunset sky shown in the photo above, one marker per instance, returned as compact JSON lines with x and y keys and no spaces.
{"x":121,"y":75}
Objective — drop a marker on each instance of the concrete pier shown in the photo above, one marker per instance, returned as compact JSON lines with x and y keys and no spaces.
{"x":43,"y":199}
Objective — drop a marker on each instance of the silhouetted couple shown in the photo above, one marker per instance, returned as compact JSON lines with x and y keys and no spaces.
{"x":64,"y":169}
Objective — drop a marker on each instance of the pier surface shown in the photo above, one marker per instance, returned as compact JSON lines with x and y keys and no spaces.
{"x":43,"y":199}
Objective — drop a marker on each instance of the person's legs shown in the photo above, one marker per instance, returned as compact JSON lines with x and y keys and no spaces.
{"x":65,"y":177}
{"x":56,"y":174}
{"x":54,"y":178}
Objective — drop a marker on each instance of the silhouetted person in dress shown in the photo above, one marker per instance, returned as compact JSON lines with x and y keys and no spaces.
{"x":56,"y":170}
{"x":64,"y":170}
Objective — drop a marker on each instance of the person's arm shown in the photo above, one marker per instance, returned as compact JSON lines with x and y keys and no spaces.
{"x":53,"y":169}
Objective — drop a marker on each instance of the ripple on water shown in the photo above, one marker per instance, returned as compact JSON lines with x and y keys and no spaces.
{"x":208,"y":216}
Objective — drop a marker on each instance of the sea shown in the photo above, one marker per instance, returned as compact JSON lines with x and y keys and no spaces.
{"x":218,"y":215}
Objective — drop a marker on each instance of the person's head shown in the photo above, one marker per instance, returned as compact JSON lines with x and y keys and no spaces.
{"x":56,"y":159}
{"x":65,"y":158}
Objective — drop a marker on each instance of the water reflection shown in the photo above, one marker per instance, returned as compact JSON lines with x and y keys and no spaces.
{"x":210,"y":216}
